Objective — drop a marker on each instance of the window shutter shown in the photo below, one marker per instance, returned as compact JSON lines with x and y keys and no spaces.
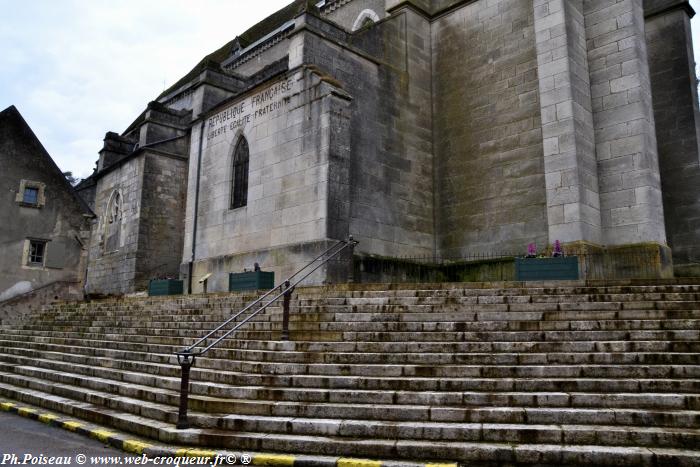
{"x":56,"y":253}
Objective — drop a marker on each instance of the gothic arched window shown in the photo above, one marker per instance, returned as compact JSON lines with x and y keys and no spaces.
{"x":239,"y":180}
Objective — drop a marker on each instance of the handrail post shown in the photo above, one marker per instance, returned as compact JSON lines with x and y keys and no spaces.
{"x":351,"y":259}
{"x":186,"y":360}
{"x":285,"y":310}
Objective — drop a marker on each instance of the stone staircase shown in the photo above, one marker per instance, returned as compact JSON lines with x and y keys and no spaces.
{"x":481,"y":374}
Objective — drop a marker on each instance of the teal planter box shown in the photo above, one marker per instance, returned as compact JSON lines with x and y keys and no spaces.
{"x":562,"y":268}
{"x":164,"y":287}
{"x":253,"y":280}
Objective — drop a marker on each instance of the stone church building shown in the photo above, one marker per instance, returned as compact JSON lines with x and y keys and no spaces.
{"x":422,"y":128}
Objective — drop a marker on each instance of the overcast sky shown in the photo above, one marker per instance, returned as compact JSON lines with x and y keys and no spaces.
{"x":76,"y":69}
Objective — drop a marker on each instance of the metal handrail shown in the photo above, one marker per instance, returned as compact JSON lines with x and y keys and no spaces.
{"x":186,"y":357}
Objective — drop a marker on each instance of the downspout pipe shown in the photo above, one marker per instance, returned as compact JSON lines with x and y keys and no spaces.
{"x":196,"y":204}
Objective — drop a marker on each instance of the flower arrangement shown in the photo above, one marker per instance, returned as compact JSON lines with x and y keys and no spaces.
{"x":531,"y":250}
{"x":557,"y":249}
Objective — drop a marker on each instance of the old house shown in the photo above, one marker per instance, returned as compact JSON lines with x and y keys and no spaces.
{"x":44,"y":226}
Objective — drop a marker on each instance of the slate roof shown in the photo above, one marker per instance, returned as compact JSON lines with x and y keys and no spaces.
{"x":253,"y":34}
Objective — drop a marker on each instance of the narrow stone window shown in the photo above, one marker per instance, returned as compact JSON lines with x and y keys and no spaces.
{"x":239,"y":188}
{"x":37,"y":252}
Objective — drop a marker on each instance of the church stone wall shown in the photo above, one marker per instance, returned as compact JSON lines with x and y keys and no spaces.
{"x":113,"y":272}
{"x":673,"y":82}
{"x":347,"y":14}
{"x":160,"y":236}
{"x":391,"y":178}
{"x":488,"y":136}
{"x":571,"y":174}
{"x":628,"y":167}
{"x":287,"y":205}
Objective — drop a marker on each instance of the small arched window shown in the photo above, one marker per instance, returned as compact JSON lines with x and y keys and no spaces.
{"x":239,"y":180}
{"x":365,"y":19}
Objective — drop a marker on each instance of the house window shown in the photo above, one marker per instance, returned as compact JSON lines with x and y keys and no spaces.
{"x":37,"y":253}
{"x":239,"y":188}
{"x":31,"y":195}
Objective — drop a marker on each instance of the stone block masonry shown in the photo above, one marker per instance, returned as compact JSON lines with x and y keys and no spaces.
{"x":571,"y":176}
{"x":490,"y":173}
{"x":674,"y":87}
{"x":628,"y":167}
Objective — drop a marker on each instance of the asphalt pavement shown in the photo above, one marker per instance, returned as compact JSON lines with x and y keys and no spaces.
{"x":29,"y":442}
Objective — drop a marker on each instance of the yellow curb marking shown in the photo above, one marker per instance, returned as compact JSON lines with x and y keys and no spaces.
{"x":23,"y":411}
{"x":134,"y":446}
{"x":196,"y":453}
{"x":358,"y":463}
{"x":72,"y":426}
{"x":101,"y":435}
{"x":47,"y":417}
{"x":272,"y":459}
{"x":6,"y":406}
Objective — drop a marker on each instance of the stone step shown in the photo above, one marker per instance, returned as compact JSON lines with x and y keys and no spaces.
{"x":548,"y":312}
{"x":101,"y":367}
{"x":153,"y":343}
{"x":465,"y":452}
{"x":547,"y":370}
{"x":396,"y":406}
{"x":384,"y":326}
{"x":532,"y":432}
{"x":409,"y":314}
{"x":604,"y":358}
{"x":454,"y":290}
{"x":460,"y":309}
{"x":499,"y":302}
{"x":391,"y":336}
{"x":539,"y":369}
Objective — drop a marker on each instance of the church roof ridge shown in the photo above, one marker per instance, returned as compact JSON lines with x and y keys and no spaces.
{"x":244,"y":40}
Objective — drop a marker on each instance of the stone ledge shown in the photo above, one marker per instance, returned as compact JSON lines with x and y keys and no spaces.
{"x":138,"y":446}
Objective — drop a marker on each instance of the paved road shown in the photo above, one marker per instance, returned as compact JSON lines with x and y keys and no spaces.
{"x":21,"y":436}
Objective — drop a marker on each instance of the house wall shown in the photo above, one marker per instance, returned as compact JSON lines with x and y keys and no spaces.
{"x":61,"y":220}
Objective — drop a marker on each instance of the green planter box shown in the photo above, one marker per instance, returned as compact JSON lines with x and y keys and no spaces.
{"x":164,"y":287}
{"x":253,"y":280}
{"x":563,"y":268}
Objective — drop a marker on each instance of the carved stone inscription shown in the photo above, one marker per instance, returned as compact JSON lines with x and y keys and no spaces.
{"x":249,"y":110}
